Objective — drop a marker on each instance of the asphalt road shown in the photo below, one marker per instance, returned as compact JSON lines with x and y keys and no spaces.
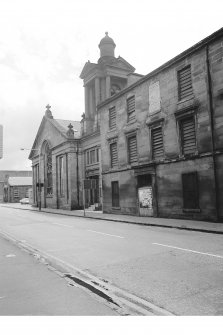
{"x":28,"y":287}
{"x":180,"y":271}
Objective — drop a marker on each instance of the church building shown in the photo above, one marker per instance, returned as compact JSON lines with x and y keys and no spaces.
{"x":66,"y":152}
{"x":146,"y":145}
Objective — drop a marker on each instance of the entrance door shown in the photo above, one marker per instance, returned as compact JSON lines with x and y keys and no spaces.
{"x":145,"y":195}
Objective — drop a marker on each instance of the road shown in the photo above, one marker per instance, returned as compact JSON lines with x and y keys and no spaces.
{"x":179,"y":271}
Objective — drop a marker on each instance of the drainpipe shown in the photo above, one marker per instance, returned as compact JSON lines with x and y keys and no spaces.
{"x":78,"y":196}
{"x":211,"y":109}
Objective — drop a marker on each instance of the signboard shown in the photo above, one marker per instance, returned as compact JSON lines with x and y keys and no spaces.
{"x":145,"y":197}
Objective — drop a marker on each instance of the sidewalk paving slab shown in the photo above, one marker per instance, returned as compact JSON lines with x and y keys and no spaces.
{"x":200,"y":226}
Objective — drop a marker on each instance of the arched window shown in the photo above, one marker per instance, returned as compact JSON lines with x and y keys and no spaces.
{"x":48,"y":170}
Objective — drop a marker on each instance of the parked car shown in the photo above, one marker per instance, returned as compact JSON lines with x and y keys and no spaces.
{"x":24,"y":201}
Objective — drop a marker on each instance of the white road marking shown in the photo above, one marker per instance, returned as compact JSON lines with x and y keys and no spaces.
{"x":194,"y":251}
{"x":98,"y":232}
{"x":60,"y":224}
{"x":10,"y":255}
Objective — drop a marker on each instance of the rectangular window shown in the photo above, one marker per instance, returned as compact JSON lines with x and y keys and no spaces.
{"x":112,"y":118}
{"x":190,"y":190}
{"x":87,"y":158}
{"x":115,"y":194}
{"x":114,"y":154}
{"x":92,"y":156}
{"x":188,"y":135}
{"x":16,"y":193}
{"x":61,"y":175}
{"x":157,"y":143}
{"x":97,"y":155}
{"x":131,"y":108}
{"x":132,"y":149}
{"x":185,"y":83}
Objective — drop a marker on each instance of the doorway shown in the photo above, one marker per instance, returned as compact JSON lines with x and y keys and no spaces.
{"x":145,"y":194}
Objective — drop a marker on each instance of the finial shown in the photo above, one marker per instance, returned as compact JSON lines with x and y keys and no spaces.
{"x":106,"y":33}
{"x":70,"y":132}
{"x":48,"y":112}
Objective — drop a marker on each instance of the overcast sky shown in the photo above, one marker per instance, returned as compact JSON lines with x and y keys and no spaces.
{"x":44,"y":45}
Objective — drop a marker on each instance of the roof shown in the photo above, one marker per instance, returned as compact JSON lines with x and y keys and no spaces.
{"x":62,"y":125}
{"x":20,"y":181}
{"x":186,"y":53}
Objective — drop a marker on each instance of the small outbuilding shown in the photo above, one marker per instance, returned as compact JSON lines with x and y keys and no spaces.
{"x":17,"y":188}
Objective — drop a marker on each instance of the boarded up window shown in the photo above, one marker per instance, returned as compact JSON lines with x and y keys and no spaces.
{"x":185,"y":83}
{"x":190,"y":190}
{"x":132,"y":149}
{"x":188,"y":136}
{"x":131,"y":108}
{"x":157,"y":143}
{"x":112,"y":118}
{"x":114,"y":154}
{"x":115,"y":194}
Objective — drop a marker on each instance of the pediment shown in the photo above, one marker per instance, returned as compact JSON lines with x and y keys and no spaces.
{"x":87,"y":68}
{"x":47,"y":132}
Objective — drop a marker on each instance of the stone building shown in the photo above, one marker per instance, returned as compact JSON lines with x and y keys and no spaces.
{"x":66,"y":152}
{"x":4,"y":177}
{"x":152,"y":144}
{"x":162,"y":139}
{"x":17,"y":188}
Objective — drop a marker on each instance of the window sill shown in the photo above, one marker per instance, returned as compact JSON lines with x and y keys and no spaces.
{"x":191,"y":210}
{"x":116,"y":208}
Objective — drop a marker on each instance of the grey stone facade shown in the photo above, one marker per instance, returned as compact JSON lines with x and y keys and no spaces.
{"x":174,"y":132}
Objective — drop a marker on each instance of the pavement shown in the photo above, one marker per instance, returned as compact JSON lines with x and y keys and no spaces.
{"x":200,"y":226}
{"x":29,"y":287}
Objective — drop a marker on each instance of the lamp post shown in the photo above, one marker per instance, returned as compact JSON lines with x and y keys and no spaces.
{"x":39,"y":187}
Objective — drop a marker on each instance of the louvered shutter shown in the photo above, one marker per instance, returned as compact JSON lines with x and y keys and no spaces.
{"x":190,"y":190}
{"x":132,"y":149}
{"x":131,"y":108}
{"x":188,"y":136}
{"x":115,"y":194}
{"x":114,"y":154}
{"x":185,"y":83}
{"x":157,"y":143}
{"x":112,"y":118}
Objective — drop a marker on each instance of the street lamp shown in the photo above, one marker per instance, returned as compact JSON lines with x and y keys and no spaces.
{"x":39,"y":187}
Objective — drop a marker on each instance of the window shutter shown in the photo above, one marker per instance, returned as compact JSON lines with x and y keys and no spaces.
{"x":131,"y":108}
{"x":114,"y":154}
{"x":185,"y":83}
{"x":188,"y":136}
{"x":115,"y":194}
{"x":132,"y":149}
{"x":112,"y":118}
{"x":190,"y":190}
{"x":157,"y":143}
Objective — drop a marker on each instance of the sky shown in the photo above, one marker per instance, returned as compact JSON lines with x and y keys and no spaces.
{"x":44,"y":45}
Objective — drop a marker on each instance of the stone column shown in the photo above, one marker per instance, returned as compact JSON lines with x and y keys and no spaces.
{"x":97,"y":91}
{"x":86,"y":94}
{"x":108,"y":86}
{"x":97,"y":99}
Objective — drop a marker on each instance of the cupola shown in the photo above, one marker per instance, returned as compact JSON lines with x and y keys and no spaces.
{"x":107,"y":46}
